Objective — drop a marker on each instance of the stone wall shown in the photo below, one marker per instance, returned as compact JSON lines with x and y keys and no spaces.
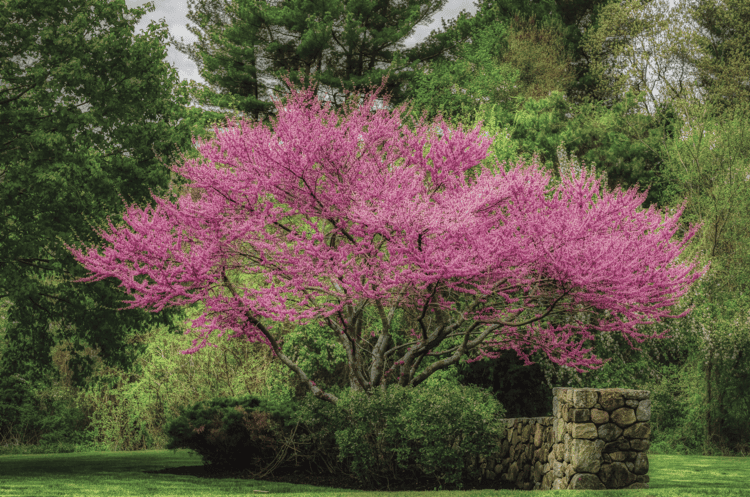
{"x":595,"y":439}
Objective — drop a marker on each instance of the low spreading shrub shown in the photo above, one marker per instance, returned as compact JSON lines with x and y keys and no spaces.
{"x":225,"y":432}
{"x":409,"y":433}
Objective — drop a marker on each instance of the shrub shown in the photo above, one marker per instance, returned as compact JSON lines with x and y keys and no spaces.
{"x":406,"y":433}
{"x":39,"y":414}
{"x":225,"y":432}
{"x":18,"y":423}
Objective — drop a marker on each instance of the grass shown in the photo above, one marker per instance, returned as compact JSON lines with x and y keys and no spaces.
{"x":122,"y":474}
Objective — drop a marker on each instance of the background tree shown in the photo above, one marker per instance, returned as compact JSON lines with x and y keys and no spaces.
{"x":689,"y":61}
{"x":541,"y":28}
{"x":347,"y":236}
{"x":245,"y":48}
{"x":644,"y":47}
{"x":86,"y":108}
{"x":229,"y":53}
{"x":723,"y":65}
{"x":484,"y":84}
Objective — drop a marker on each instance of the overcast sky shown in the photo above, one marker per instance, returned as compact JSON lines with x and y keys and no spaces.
{"x":174,"y":13}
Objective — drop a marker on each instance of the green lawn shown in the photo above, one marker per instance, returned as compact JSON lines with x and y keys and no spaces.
{"x":121,"y":473}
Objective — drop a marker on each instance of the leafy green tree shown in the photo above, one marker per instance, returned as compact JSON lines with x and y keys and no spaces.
{"x":723,"y":63}
{"x":246,"y":47}
{"x":644,"y":47}
{"x":455,"y":89}
{"x":547,"y":28}
{"x":87,"y":110}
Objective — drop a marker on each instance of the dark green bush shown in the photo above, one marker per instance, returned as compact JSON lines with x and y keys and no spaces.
{"x":31,"y":415}
{"x":19,"y":417}
{"x":315,"y":439}
{"x":228,"y":433}
{"x":409,"y":433}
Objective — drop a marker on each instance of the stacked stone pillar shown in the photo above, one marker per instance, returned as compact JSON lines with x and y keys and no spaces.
{"x":601,"y":439}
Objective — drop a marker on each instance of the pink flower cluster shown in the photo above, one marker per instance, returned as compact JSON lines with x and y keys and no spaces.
{"x":329,"y":214}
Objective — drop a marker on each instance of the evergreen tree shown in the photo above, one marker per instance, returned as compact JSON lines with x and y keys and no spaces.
{"x":246,"y":48}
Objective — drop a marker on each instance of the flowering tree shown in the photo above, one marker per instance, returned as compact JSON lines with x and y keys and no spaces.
{"x":343,"y":221}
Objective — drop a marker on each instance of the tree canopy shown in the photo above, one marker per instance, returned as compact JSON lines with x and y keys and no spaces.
{"x":377,"y":234}
{"x":87,"y":108}
{"x":246,"y":48}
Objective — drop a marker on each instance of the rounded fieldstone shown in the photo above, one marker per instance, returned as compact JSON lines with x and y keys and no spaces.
{"x":584,"y":430}
{"x":538,"y":436}
{"x":639,"y":444}
{"x":616,"y":446}
{"x":631,"y":403}
{"x":586,"y":455}
{"x":640,"y":466}
{"x":504,"y":447}
{"x":527,"y":433}
{"x":583,"y":398}
{"x":559,"y":451}
{"x":610,"y":431}
{"x":636,"y":394}
{"x":611,"y":400}
{"x":547,"y":481}
{"x":638,"y":430}
{"x":643,"y":412}
{"x":558,"y":469}
{"x":586,"y":481}
{"x":599,"y":417}
{"x":513,"y":472}
{"x":559,"y":484}
{"x":616,"y":475}
{"x":624,"y":417}
{"x":618,"y":456}
{"x":579,"y":415}
{"x":638,"y":486}
{"x":558,"y":429}
{"x":538,"y":471}
{"x":566,"y":444}
{"x":565,"y":412}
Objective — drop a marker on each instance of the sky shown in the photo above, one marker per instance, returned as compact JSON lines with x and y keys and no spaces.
{"x":174,"y":13}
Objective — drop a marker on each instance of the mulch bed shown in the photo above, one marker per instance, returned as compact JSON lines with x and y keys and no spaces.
{"x":302,"y":477}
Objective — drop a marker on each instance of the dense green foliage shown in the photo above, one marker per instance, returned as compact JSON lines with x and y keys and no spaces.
{"x":243,"y":56}
{"x":226,"y":432}
{"x":86,"y":111}
{"x":398,"y":434}
{"x":431,"y":431}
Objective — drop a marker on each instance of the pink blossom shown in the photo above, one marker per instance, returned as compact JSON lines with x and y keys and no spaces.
{"x":328,"y":218}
